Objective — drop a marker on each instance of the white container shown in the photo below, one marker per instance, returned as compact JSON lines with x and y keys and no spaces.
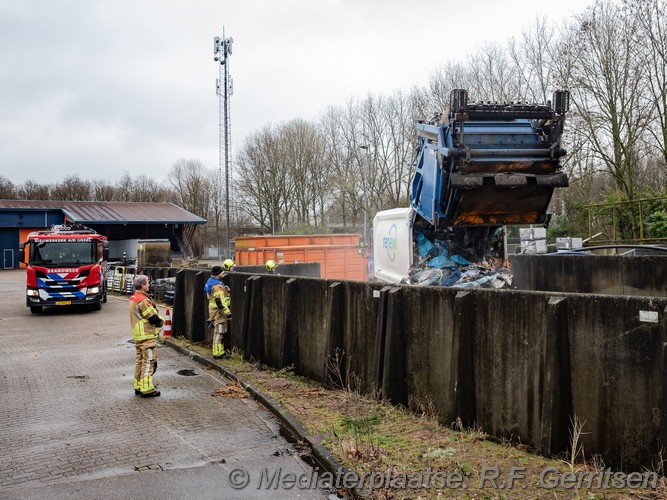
{"x":392,"y":244}
{"x":533,"y":247}
{"x":532,"y":233}
{"x":569,"y":243}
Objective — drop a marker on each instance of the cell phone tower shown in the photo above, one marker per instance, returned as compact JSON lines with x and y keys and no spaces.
{"x":222,"y":49}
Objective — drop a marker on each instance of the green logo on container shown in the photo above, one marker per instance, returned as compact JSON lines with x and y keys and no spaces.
{"x":390,"y":242}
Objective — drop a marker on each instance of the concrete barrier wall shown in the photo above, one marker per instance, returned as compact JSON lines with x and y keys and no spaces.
{"x":605,"y":274}
{"x":617,"y":370}
{"x":516,"y":355}
{"x":283,"y":321}
{"x":430,"y":351}
{"x":520,"y":365}
{"x":359,"y":334}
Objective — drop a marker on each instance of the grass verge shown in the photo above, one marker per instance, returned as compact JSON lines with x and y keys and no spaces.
{"x":410,"y":455}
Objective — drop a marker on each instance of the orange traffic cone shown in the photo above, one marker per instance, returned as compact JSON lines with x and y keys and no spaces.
{"x":167,"y":324}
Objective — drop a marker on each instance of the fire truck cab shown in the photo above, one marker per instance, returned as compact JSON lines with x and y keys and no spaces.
{"x":65,"y":266}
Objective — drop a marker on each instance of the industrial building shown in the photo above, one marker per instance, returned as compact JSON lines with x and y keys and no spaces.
{"x":124,"y":224}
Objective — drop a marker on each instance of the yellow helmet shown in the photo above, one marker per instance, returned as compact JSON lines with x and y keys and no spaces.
{"x":270,"y":264}
{"x":228,"y":264}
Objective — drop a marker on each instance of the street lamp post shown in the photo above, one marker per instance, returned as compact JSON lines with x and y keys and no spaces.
{"x":273,"y":219}
{"x":366,"y":148}
{"x":273,"y":215}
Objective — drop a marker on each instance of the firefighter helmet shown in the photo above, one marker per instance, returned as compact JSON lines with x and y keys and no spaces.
{"x":270,"y":265}
{"x":228,"y":264}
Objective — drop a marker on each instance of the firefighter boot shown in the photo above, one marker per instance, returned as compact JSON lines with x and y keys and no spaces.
{"x":147,"y":388}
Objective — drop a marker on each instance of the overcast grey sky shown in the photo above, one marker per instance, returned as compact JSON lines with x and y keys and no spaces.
{"x":96,"y":88}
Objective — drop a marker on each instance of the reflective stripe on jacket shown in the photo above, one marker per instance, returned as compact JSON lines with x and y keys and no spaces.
{"x":142,"y":307}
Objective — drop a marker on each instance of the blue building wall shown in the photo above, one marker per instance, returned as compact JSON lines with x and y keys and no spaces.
{"x":31,"y":218}
{"x":11,"y":224}
{"x":9,"y":245}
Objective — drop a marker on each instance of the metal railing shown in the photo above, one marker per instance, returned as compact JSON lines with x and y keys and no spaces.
{"x":622,"y":221}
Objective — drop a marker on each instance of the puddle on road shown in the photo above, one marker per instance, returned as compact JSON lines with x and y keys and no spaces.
{"x":187,"y":373}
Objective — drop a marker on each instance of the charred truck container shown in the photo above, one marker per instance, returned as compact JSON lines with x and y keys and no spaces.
{"x":65,"y":266}
{"x":478,"y":167}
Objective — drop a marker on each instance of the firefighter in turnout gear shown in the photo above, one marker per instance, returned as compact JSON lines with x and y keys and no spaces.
{"x":218,"y":309}
{"x":145,"y":322}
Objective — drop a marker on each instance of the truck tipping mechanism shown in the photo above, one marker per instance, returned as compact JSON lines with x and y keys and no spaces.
{"x":489,"y":164}
{"x":478,"y":167}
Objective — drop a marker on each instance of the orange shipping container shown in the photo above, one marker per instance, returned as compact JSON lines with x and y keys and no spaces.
{"x":338,"y":254}
{"x":292,"y":240}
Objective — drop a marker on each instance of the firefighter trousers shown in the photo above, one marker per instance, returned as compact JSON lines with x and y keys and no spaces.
{"x":219,"y":321}
{"x":145,"y":363}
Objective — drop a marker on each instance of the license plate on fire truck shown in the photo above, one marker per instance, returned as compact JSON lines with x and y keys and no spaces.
{"x":63,"y":302}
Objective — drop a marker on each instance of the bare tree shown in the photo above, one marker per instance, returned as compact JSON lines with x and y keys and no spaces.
{"x":275,"y":165}
{"x":103,"y":191}
{"x":7,"y":189}
{"x":432,"y":99}
{"x":253,"y":184}
{"x":651,"y":39}
{"x":284,"y":176}
{"x":146,"y":189}
{"x":608,"y":86}
{"x":388,"y":131}
{"x":303,"y":154}
{"x":32,"y":190}
{"x":399,"y":144}
{"x":375,"y":151}
{"x":72,"y":188}
{"x":351,"y":171}
{"x":192,"y":186}
{"x":337,"y":165}
{"x":534,"y":61}
{"x":124,"y":188}
{"x":495,"y":79}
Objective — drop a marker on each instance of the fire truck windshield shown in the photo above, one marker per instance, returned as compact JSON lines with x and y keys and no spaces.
{"x":60,"y":253}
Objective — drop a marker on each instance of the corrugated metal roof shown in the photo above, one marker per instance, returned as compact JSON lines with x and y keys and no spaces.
{"x":107,"y":212}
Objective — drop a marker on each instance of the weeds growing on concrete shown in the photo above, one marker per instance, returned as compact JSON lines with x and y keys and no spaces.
{"x":335,"y":370}
{"x":363,"y":429}
{"x":423,"y":406}
{"x":576,"y":447}
{"x":285,"y":371}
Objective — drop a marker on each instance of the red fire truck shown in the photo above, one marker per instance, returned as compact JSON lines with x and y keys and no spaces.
{"x":65,"y":266}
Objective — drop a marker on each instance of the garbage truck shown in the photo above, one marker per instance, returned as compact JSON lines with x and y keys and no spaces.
{"x":478,"y":167}
{"x":65,"y":266}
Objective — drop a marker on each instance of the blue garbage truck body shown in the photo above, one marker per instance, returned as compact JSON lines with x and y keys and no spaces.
{"x":478,"y":167}
{"x":488,"y":163}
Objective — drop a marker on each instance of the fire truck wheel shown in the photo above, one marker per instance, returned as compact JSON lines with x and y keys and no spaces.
{"x":35,"y":309}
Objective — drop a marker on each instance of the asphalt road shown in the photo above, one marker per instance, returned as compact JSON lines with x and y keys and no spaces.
{"x":71,"y":426}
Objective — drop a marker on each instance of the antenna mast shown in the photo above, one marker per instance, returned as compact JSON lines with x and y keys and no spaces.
{"x":222,"y":49}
